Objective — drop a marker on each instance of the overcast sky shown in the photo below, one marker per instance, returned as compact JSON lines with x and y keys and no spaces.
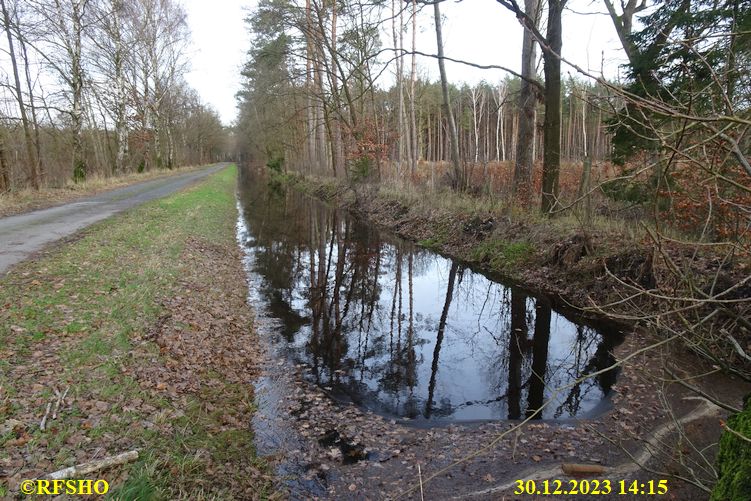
{"x":481,"y":31}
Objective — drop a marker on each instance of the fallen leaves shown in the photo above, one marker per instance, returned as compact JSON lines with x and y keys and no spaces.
{"x":22,"y":439}
{"x":199,"y":334}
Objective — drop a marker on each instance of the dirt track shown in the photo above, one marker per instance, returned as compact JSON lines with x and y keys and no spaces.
{"x":24,"y":234}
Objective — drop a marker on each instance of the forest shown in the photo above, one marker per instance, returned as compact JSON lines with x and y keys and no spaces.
{"x":673,"y":133}
{"x":645,"y":178}
{"x":97,"y":87}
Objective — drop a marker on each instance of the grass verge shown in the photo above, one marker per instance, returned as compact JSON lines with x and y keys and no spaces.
{"x":143,"y":320}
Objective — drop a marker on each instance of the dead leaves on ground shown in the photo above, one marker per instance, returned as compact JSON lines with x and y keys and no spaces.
{"x":201,"y":349}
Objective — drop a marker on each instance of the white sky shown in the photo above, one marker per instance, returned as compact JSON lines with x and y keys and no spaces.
{"x":481,"y":31}
{"x":220,"y":42}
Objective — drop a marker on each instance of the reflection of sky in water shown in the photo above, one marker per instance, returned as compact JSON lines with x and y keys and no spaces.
{"x":473,"y":369}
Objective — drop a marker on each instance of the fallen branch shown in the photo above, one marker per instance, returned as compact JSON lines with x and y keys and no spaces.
{"x":43,"y":424}
{"x":737,"y":434}
{"x":419,"y":474}
{"x":82,"y":469}
{"x":737,"y":346}
{"x":60,"y":399}
{"x":701,"y":392}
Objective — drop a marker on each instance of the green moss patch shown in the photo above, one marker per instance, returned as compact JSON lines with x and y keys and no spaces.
{"x":734,"y":459}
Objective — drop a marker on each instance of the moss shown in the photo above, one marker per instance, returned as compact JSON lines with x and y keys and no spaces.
{"x":734,"y":459}
{"x":432,"y":243}
{"x":501,"y":254}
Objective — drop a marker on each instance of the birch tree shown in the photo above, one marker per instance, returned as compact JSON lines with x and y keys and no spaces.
{"x":111,"y":61}
{"x":457,"y":177}
{"x":60,"y":44}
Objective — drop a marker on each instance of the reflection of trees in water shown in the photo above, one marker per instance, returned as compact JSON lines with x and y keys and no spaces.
{"x":344,"y":272}
{"x":540,"y":342}
{"x":400,"y":368}
{"x":524,"y":363}
{"x":275,"y":256}
{"x":352,"y":294}
{"x":429,"y":405}
{"x":327,"y":344}
{"x":516,"y":349}
{"x":602,"y":358}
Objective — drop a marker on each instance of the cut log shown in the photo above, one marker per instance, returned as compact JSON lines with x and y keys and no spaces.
{"x":575,"y":469}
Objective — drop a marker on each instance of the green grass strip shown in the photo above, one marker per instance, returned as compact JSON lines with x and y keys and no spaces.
{"x":78,"y":308}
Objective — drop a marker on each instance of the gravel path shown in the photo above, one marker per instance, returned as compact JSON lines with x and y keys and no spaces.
{"x":24,"y":234}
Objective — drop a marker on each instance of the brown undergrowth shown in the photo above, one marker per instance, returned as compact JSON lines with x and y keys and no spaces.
{"x":543,"y":254}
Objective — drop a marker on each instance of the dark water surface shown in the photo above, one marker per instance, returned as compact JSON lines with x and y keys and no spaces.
{"x":408,"y":333}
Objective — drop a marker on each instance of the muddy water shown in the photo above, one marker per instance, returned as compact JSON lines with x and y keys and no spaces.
{"x":405,"y":332}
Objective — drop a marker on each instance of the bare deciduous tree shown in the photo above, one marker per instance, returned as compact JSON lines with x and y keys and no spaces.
{"x":9,"y":27}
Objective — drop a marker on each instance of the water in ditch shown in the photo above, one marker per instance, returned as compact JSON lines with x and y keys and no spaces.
{"x":405,"y":332}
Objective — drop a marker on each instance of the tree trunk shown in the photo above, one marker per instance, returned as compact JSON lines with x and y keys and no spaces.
{"x":309,"y":111}
{"x":4,"y":166}
{"x":476,"y":118}
{"x":156,"y":108}
{"x":146,"y":122}
{"x":79,"y":163}
{"x":170,"y":147}
{"x":584,"y":195}
{"x":398,"y":39}
{"x":403,"y":126}
{"x":458,"y":180}
{"x":525,"y":133}
{"x":552,"y":128}
{"x":320,"y":110}
{"x":412,"y":96}
{"x":121,"y":131}
{"x":32,"y":106}
{"x":585,"y":146}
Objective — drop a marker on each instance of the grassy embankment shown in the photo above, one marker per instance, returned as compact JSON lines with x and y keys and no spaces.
{"x":143,"y":319}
